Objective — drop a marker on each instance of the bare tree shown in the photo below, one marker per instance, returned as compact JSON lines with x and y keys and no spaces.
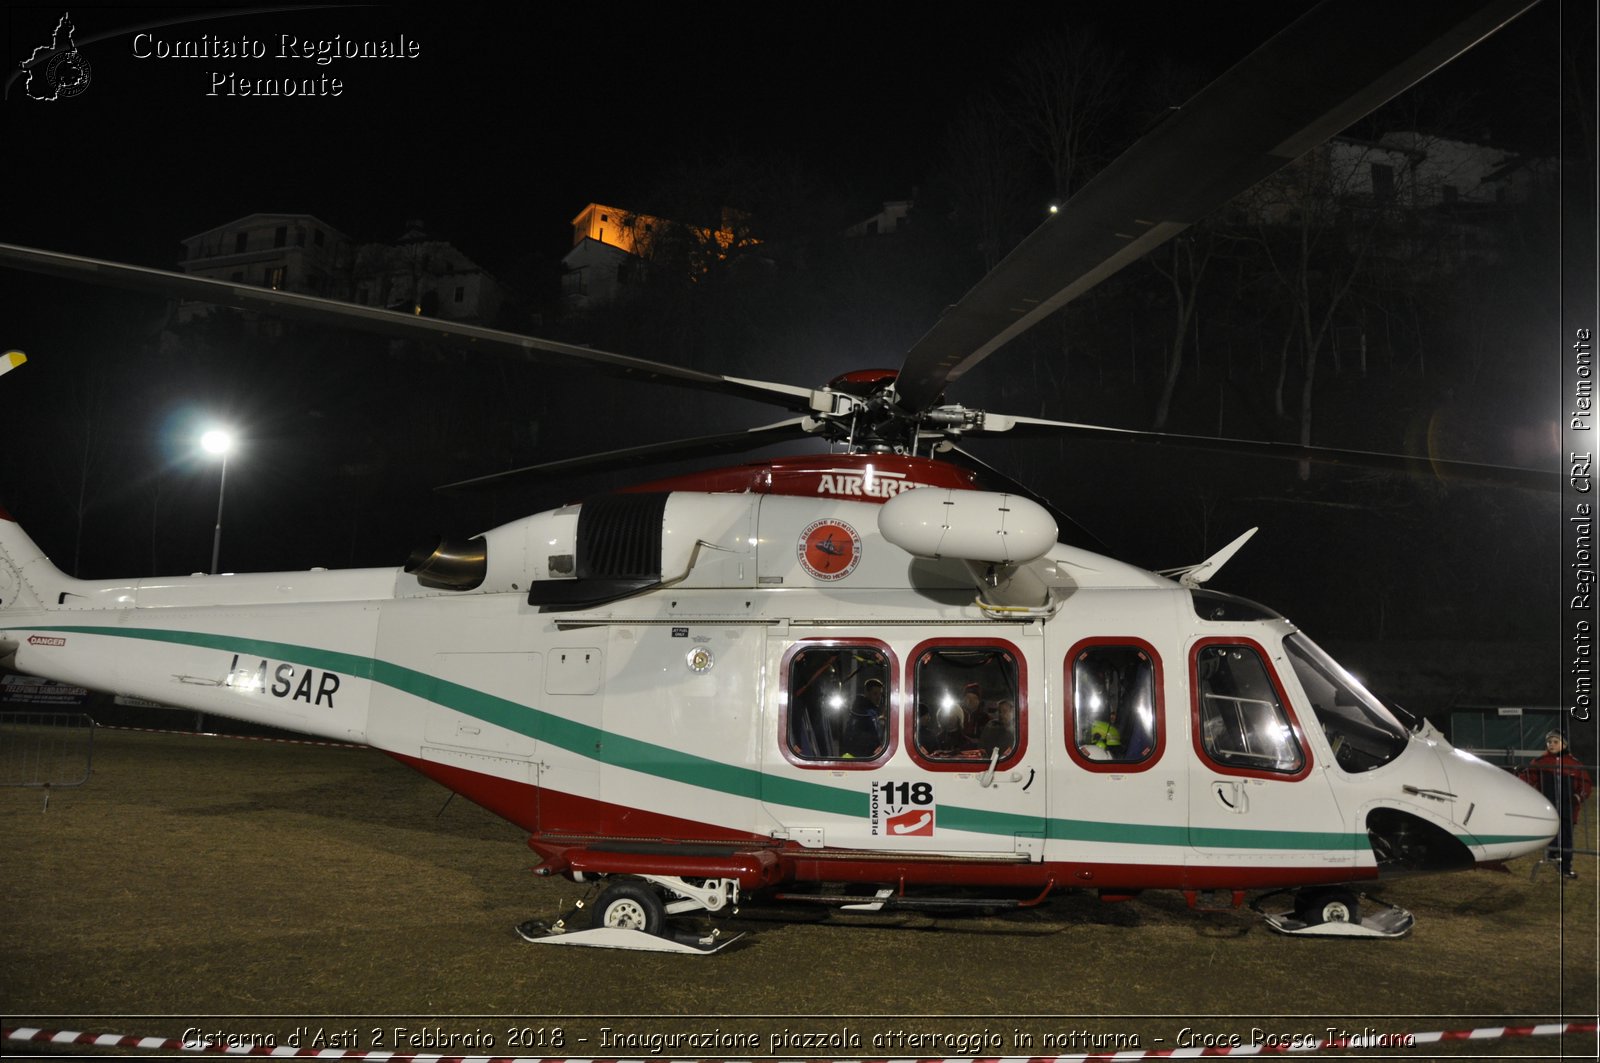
{"x":1064,"y":91}
{"x":1316,"y":225}
{"x":405,"y":275}
{"x":91,"y":406}
{"x":985,"y":167}
{"x":1184,"y":269}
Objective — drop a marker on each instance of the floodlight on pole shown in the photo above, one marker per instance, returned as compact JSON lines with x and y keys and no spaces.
{"x":218,"y":442}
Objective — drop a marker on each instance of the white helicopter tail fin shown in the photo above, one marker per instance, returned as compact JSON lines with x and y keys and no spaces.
{"x":21,"y":564}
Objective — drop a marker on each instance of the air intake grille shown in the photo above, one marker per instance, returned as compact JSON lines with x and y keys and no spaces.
{"x":619,"y":536}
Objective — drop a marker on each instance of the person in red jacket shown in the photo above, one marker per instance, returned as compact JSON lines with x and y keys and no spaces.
{"x":1558,"y":775}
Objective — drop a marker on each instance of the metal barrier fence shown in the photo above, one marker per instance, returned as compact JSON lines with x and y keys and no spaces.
{"x":48,"y":749}
{"x":1513,"y":760}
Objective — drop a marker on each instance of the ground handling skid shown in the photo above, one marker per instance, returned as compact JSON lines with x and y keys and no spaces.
{"x":633,"y":913}
{"x":1332,"y":911}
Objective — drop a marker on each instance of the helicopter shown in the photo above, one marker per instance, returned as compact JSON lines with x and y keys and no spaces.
{"x":872,"y":678}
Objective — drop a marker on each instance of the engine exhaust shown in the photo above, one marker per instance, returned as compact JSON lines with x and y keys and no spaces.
{"x":448,"y":565}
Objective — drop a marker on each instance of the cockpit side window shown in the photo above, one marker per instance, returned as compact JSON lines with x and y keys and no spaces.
{"x":838,"y":705}
{"x":1114,"y":688}
{"x":1241,"y":722}
{"x":1363,"y":733}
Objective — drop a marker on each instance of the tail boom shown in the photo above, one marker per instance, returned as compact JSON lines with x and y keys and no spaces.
{"x":290,"y":650}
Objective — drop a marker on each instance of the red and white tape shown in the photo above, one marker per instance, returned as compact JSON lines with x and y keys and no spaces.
{"x":163,"y":1044}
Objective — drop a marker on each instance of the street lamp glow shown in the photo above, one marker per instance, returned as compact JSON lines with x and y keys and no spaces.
{"x":217,"y":441}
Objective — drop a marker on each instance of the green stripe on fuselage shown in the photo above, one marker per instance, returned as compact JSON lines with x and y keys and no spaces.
{"x":663,"y":762}
{"x":607,"y":748}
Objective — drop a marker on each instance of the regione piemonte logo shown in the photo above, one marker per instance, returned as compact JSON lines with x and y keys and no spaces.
{"x":57,"y":71}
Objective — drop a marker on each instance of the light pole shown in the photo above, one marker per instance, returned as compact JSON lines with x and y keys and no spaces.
{"x":218,"y":441}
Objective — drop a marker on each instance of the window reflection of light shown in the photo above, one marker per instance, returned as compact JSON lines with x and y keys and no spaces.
{"x":836,"y":702}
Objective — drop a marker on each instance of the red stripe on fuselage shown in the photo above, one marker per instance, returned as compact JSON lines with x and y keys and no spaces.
{"x":559,"y":822}
{"x":541,"y":811}
{"x":803,"y":476}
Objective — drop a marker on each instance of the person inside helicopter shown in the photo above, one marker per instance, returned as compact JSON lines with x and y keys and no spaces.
{"x":864,"y":729}
{"x":1113,"y":703}
{"x":942,"y":730}
{"x":949,"y":683}
{"x":1105,"y":735}
{"x":999,"y":734}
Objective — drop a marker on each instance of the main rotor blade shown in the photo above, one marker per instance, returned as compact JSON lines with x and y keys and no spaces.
{"x":390,"y":323}
{"x":730,"y":442}
{"x":1334,"y":65}
{"x":1479,"y":472}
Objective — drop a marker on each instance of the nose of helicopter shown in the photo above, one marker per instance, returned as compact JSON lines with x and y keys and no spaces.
{"x":1502,"y":815}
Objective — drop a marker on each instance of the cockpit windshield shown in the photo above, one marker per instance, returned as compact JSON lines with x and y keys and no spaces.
{"x":1363,"y":733}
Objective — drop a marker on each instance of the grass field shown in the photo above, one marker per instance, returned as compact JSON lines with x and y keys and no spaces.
{"x":252,"y":888}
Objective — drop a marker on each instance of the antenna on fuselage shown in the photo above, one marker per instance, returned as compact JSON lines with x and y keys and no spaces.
{"x":1192,"y":576}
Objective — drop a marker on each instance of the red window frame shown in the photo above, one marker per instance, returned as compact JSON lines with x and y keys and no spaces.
{"x":1069,"y":714}
{"x":890,"y":716}
{"x":1283,"y":700}
{"x":908,"y":709}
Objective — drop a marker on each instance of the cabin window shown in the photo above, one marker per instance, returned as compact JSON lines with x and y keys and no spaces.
{"x":1223,"y":608}
{"x":1361,"y":731}
{"x":969,"y":706}
{"x":838,"y":706}
{"x":1242,"y":721}
{"x":1114,"y":690}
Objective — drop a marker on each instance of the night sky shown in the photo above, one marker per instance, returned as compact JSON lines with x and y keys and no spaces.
{"x":507,"y":124}
{"x":500,"y":130}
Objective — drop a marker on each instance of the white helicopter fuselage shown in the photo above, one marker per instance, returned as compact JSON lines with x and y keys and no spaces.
{"x":701,"y":727}
{"x":877,"y":678}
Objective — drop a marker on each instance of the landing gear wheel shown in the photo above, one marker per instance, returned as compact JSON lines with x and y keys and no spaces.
{"x":1315,"y":907}
{"x":630,"y":905}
